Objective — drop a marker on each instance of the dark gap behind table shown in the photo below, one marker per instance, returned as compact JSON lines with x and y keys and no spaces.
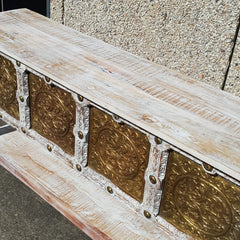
{"x":40,"y":6}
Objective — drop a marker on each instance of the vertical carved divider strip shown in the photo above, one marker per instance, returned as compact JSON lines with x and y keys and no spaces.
{"x":157,"y":169}
{"x":81,"y":131}
{"x":23,"y":97}
{"x":161,"y":177}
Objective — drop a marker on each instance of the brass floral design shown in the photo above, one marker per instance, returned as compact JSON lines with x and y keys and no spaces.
{"x":118,"y":152}
{"x":8,"y":88}
{"x":52,"y":113}
{"x":199,"y":204}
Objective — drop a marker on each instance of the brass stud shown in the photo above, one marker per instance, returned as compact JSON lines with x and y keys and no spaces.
{"x":48,"y":79}
{"x":0,"y":115}
{"x":116,"y":117}
{"x":23,"y":130}
{"x":49,"y":148}
{"x":21,"y":98}
{"x":80,"y":135}
{"x":147,"y":214}
{"x":207,"y":167}
{"x":78,"y":167}
{"x":158,"y":140}
{"x":18,"y":63}
{"x":152,"y":179}
{"x":109,"y":189}
{"x":80,"y":98}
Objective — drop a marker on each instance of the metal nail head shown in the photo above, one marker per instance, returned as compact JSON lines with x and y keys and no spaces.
{"x":21,"y":98}
{"x":80,"y":135}
{"x":147,"y":214}
{"x":78,"y":167}
{"x":80,"y":98}
{"x":23,"y":130}
{"x":109,"y":189}
{"x":49,"y":148}
{"x":158,"y":140}
{"x":152,"y":179}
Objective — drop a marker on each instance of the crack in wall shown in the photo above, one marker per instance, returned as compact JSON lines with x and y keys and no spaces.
{"x":231,"y":55}
{"x":63,"y":12}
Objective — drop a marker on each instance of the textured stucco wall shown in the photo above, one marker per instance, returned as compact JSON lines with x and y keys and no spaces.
{"x":56,"y":10}
{"x":192,"y":37}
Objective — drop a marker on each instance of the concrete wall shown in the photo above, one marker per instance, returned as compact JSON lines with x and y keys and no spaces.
{"x":193,"y":37}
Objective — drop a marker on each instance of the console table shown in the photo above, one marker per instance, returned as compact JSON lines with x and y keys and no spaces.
{"x":123,"y":147}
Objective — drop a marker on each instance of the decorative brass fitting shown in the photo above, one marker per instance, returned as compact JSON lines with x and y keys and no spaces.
{"x":8,"y":88}
{"x":52,"y":112}
{"x":203,"y":206}
{"x":18,"y":63}
{"x":118,"y":152}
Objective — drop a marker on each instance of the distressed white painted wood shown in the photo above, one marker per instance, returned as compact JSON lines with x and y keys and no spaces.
{"x":92,"y":209}
{"x":198,"y":119}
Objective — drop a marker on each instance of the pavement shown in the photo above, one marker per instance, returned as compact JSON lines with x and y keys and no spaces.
{"x":26,"y":216}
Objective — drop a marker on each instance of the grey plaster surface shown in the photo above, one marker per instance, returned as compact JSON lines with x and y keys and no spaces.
{"x":233,"y":80}
{"x":26,"y":216}
{"x":192,"y":37}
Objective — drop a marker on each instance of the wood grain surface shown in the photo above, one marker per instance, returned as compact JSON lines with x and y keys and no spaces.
{"x":196,"y":118}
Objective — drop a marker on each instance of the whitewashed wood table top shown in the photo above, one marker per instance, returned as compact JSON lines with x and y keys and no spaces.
{"x":197,"y":118}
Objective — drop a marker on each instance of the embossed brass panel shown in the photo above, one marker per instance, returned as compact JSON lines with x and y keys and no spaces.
{"x":8,"y":88}
{"x":200,"y":204}
{"x":119,"y":152}
{"x":52,"y":113}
